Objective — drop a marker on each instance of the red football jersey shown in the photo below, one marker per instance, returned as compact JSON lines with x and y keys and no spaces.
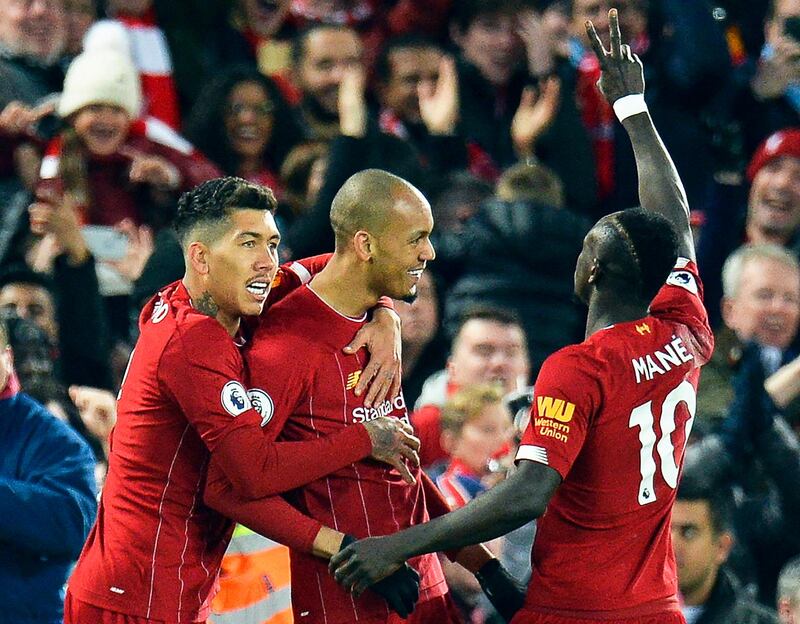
{"x":155,"y":549}
{"x":305,"y":386}
{"x":612,"y":416}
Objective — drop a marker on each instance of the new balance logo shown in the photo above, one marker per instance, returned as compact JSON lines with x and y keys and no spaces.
{"x":352,"y":380}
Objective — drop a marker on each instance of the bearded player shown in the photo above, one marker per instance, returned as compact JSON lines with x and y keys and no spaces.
{"x":602,"y":455}
{"x":154,"y":552}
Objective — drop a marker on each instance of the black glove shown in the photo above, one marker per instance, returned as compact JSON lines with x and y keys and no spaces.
{"x":503,"y":590}
{"x":400,"y":589}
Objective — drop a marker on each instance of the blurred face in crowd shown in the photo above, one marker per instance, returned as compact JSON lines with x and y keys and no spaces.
{"x":766,"y":305}
{"x":632,"y":18}
{"x":128,"y":7}
{"x":249,"y":119}
{"x":486,"y":351}
{"x":102,"y":128}
{"x":774,"y":204}
{"x":775,"y":27}
{"x":328,"y":53}
{"x":265,"y":17}
{"x":34,"y":28}
{"x":699,"y":549}
{"x":32,"y":303}
{"x":594,"y":10}
{"x":81,"y":14}
{"x":491,"y":44}
{"x":555,"y":20}
{"x":409,"y":67}
{"x":481,"y":438}
{"x":419,"y":319}
{"x":403,"y":248}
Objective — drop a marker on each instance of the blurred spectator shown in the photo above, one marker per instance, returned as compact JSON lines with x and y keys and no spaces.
{"x":422,"y":352}
{"x":120,"y":172}
{"x":32,"y":41}
{"x":33,"y":35}
{"x":47,"y":502}
{"x":242,"y":123}
{"x":477,"y":432}
{"x":789,"y":593}
{"x":134,"y":30}
{"x":702,"y":538}
{"x":81,"y":14}
{"x":770,"y":213}
{"x":503,"y":269}
{"x":67,"y":308}
{"x":776,"y":83}
{"x":418,"y":97}
{"x":515,"y":98}
{"x":321,"y":56}
{"x":755,"y":451}
{"x":762,"y":304}
{"x":489,"y":347}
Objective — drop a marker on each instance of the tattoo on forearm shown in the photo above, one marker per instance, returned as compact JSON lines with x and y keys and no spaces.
{"x":205,"y":304}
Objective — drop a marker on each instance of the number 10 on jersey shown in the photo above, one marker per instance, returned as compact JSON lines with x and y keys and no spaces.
{"x":643,"y":417}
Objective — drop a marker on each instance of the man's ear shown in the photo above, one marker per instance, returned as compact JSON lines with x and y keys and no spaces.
{"x":724,"y":546}
{"x":595,"y":271}
{"x":364,"y":245}
{"x":198,"y":257}
{"x":727,"y":309}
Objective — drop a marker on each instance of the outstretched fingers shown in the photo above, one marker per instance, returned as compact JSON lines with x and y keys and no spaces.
{"x":616,"y":36}
{"x":596,"y":43}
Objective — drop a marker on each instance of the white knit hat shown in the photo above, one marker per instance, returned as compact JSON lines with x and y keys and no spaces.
{"x":101,"y":76}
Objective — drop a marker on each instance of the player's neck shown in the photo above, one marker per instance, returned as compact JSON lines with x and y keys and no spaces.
{"x":605,"y":311}
{"x":202,"y":301}
{"x":341,"y":284}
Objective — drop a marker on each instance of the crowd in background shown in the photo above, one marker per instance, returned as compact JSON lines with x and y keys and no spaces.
{"x":109,"y":110}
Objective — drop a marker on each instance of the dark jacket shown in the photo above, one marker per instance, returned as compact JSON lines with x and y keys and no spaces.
{"x":47,"y":506}
{"x":522,"y":256}
{"x":728,"y":604}
{"x":756,"y":453}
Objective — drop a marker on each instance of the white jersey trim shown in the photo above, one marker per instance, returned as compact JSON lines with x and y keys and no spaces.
{"x":533,"y":453}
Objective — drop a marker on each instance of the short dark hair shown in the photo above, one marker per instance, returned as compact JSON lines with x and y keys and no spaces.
{"x":465,"y":12}
{"x":211,"y":203}
{"x":21,"y":274}
{"x":647,"y":244}
{"x":298,"y":50}
{"x":494,"y":314}
{"x":695,"y":486}
{"x":383,"y":68}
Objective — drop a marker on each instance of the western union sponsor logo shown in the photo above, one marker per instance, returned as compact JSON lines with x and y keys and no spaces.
{"x":352,"y":379}
{"x":557,"y":409}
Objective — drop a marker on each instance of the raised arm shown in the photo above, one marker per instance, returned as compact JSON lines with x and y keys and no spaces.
{"x":622,"y":84}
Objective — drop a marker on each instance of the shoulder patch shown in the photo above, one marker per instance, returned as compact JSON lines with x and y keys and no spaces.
{"x":683,"y":279}
{"x":262,"y":403}
{"x":234,"y":398}
{"x":160,"y":310}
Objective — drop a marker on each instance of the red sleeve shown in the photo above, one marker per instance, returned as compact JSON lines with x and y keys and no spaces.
{"x":293,"y":275}
{"x":566,"y":395}
{"x":426,"y":423}
{"x":201,"y":369}
{"x":680,"y":300}
{"x":271,"y":516}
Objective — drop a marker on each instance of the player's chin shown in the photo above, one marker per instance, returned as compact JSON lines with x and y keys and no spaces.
{"x":252,"y":306}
